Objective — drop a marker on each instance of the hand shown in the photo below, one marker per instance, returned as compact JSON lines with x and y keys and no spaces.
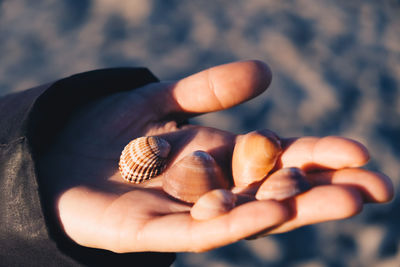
{"x":97,"y":209}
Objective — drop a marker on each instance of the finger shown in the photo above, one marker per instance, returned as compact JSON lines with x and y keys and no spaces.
{"x":217,"y":88}
{"x":321,"y":204}
{"x":330,"y":152}
{"x":375,"y":187}
{"x":191,"y":235}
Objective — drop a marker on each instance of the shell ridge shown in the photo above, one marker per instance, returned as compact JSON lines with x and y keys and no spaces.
{"x":140,"y":160}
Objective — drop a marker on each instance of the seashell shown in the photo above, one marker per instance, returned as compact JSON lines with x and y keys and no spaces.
{"x":254,"y":155}
{"x":193,"y":176}
{"x":213,"y":204}
{"x":283,"y":184}
{"x":143,"y":158}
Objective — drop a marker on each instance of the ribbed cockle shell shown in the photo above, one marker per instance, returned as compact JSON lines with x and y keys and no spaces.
{"x":213,"y":204}
{"x":143,"y":158}
{"x":254,"y":155}
{"x":193,"y":176}
{"x":283,"y":184}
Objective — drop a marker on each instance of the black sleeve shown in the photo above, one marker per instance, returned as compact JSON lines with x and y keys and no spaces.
{"x":28,"y":236}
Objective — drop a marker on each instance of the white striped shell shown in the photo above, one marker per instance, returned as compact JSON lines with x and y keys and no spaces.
{"x":143,"y":158}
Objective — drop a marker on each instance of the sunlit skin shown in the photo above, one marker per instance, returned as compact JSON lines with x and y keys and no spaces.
{"x":96,"y":208}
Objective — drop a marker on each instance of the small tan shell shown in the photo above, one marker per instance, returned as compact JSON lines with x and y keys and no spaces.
{"x":283,"y":184}
{"x":143,"y":158}
{"x":254,"y":155}
{"x":193,"y":176}
{"x":213,"y":204}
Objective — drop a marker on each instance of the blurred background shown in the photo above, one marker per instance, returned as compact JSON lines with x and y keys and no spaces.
{"x":336,"y":67}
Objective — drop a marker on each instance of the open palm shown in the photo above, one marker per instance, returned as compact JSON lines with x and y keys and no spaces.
{"x":98,"y":209}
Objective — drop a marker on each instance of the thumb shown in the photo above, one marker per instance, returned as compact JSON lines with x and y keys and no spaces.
{"x":216,"y":88}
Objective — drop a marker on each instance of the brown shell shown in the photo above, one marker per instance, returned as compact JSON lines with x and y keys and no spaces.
{"x":143,"y":158}
{"x":254,"y":155}
{"x":213,"y":204}
{"x":193,"y":176}
{"x":283,"y":184}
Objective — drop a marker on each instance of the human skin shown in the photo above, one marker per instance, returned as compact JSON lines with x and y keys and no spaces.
{"x":96,"y":208}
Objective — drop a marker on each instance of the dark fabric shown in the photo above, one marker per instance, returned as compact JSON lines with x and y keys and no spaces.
{"x":28,"y":236}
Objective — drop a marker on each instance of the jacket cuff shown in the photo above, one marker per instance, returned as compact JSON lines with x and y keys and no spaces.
{"x":28,"y":124}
